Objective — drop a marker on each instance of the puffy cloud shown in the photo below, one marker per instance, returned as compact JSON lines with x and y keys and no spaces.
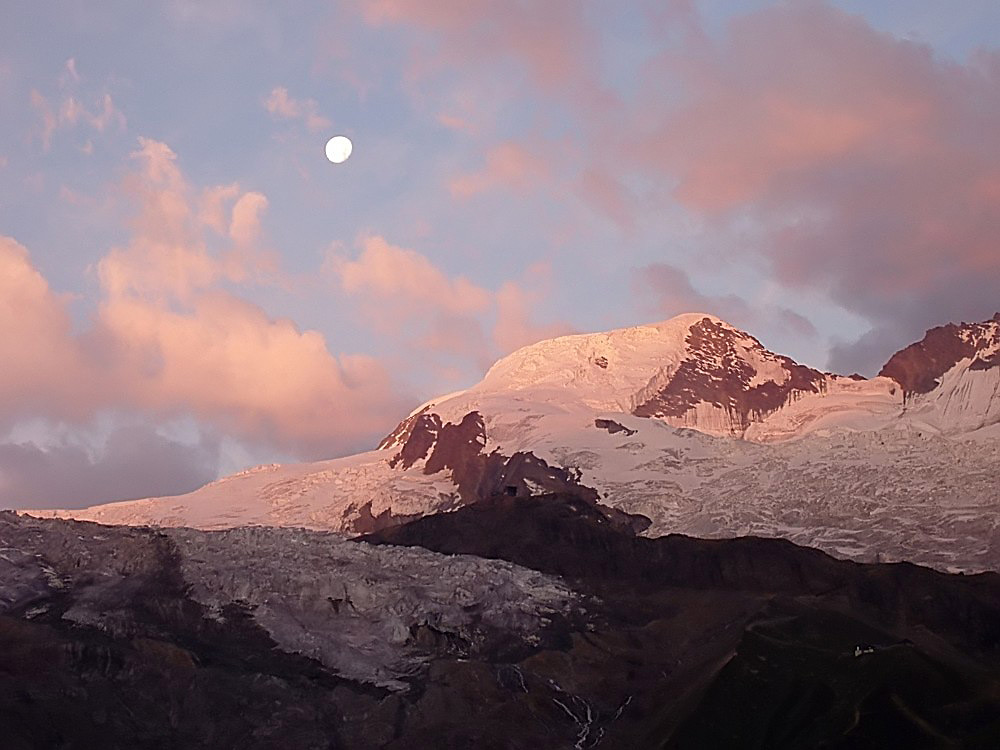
{"x":226,"y":362}
{"x":404,"y":278}
{"x":168,"y":340}
{"x":281,"y":105}
{"x":244,"y":228}
{"x":405,"y":295}
{"x":44,"y":370}
{"x":870,"y":165}
{"x":168,"y":255}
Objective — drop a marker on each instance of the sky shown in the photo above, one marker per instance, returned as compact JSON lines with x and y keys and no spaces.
{"x":189,"y":288}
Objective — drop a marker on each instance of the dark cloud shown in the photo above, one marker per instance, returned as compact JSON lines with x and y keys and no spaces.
{"x":137,"y":462}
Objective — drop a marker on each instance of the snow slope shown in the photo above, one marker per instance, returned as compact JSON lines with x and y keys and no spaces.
{"x":689,"y":422}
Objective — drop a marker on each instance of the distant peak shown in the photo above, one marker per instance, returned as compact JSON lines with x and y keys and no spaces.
{"x":919,"y":367}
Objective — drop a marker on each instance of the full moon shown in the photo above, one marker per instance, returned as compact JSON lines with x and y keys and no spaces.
{"x":338,"y":148}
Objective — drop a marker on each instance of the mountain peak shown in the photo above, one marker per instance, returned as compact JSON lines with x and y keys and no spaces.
{"x":919,"y":367}
{"x":692,"y":370}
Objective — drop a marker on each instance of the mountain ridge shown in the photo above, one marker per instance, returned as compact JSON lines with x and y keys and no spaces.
{"x":690,"y":423}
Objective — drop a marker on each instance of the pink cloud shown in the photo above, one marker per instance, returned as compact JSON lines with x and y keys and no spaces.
{"x":70,"y":113}
{"x":225,"y":361}
{"x":244,"y":228}
{"x":404,"y":295}
{"x":515,"y":304}
{"x":212,"y":210}
{"x":49,"y":121}
{"x":404,"y":279}
{"x":552,"y":44}
{"x":508,"y":165}
{"x":551,"y":39}
{"x":37,"y":344}
{"x":281,"y":105}
{"x":452,"y":122}
{"x":167,"y":340}
{"x":868,"y":164}
{"x":168,"y":255}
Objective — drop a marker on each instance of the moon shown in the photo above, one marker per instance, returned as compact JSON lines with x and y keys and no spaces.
{"x":338,"y":149}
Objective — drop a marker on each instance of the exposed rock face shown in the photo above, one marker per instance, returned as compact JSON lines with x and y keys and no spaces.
{"x":731,"y":371}
{"x":919,"y":367}
{"x":951,"y":378}
{"x":403,"y":430}
{"x":417,"y":435}
{"x":460,"y":449}
{"x":613,"y":427}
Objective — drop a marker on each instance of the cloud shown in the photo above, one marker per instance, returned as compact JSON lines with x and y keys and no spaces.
{"x":49,"y":122}
{"x":508,"y":165}
{"x":168,"y":255}
{"x":515,"y":303}
{"x":226,"y":362}
{"x":169,"y":338}
{"x":70,"y":112}
{"x":551,"y":40}
{"x":283,"y":106}
{"x":404,"y":278}
{"x":870,"y":165}
{"x":403,"y":294}
{"x":672,"y":293}
{"x":37,"y":344}
{"x":135,"y":462}
{"x":244,"y":228}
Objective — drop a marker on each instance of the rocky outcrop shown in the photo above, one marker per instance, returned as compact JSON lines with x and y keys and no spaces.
{"x":612,"y":427}
{"x":919,"y":367}
{"x":460,"y":450}
{"x":731,"y":371}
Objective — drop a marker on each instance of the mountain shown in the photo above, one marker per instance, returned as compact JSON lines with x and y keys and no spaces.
{"x":689,"y":426}
{"x":514,"y":622}
{"x":951,"y":377}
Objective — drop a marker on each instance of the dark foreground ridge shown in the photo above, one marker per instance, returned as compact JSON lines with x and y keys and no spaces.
{"x":750,"y":642}
{"x":670,"y":643}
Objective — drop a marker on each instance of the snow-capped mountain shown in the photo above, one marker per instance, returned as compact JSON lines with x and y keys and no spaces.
{"x":689,"y":423}
{"x":951,"y":377}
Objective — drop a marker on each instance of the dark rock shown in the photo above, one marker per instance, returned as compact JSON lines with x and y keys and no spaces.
{"x":612,"y":426}
{"x":918,"y":367}
{"x":715,"y":372}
